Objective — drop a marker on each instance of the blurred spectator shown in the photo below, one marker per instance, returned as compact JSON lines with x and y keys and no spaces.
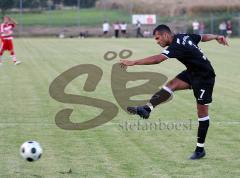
{"x":195,"y":26}
{"x":201,"y":27}
{"x":116,"y":27}
{"x":83,"y":34}
{"x":146,"y":33}
{"x":222,"y":28}
{"x":139,"y":33}
{"x":61,"y":35}
{"x":105,"y":28}
{"x":229,"y":28}
{"x":123,"y":27}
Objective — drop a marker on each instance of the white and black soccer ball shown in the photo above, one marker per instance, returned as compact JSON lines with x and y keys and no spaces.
{"x":31,"y":151}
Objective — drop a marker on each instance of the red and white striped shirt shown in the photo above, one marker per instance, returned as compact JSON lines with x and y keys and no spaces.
{"x":7,"y":31}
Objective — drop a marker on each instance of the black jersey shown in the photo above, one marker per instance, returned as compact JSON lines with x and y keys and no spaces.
{"x":184,"y":48}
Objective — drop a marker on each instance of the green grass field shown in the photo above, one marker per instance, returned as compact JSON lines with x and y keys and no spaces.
{"x":84,"y":17}
{"x":27,"y":112}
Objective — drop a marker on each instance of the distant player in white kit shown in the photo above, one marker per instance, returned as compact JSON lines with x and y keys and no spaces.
{"x":105,"y":28}
{"x":123,"y":27}
{"x":6,"y":31}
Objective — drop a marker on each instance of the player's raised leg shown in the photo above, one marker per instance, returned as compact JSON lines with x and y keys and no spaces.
{"x":160,"y":97}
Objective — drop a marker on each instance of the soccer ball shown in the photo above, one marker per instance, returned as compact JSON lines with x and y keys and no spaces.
{"x":31,"y":151}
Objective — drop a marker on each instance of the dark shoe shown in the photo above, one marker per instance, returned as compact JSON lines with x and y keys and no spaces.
{"x":198,"y":155}
{"x":142,"y":111}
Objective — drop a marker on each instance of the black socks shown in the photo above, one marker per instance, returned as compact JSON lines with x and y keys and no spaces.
{"x":161,"y":96}
{"x":202,"y":132}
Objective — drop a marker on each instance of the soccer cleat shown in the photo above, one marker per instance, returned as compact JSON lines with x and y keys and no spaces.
{"x":197,"y":155}
{"x":139,"y":110}
{"x":17,"y":62}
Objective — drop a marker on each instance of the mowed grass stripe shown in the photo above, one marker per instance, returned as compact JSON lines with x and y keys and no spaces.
{"x":124,"y":138}
{"x":99,"y":147}
{"x":34,"y":89}
{"x":109,"y":151}
{"x":126,"y":154}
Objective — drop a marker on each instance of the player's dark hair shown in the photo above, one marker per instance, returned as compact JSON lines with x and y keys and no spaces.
{"x":162,"y":28}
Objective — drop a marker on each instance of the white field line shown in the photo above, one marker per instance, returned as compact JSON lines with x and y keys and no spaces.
{"x":117,"y":123}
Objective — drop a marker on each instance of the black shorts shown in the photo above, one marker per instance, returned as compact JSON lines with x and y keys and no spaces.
{"x":123,"y":31}
{"x":202,"y":86}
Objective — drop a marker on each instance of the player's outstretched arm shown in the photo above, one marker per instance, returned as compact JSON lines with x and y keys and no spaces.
{"x":220,"y":39}
{"x":145,"y":61}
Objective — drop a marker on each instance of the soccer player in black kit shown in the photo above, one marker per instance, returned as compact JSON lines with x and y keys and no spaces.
{"x":199,"y":76}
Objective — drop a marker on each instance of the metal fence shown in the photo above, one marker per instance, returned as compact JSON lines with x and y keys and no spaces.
{"x":74,"y":20}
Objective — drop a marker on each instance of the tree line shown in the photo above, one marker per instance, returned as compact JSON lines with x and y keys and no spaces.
{"x":40,"y":4}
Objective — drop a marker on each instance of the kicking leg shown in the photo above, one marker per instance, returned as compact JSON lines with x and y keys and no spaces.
{"x":160,"y":97}
{"x":166,"y":92}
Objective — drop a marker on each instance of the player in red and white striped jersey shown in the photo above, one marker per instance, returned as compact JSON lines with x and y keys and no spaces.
{"x":6,"y":31}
